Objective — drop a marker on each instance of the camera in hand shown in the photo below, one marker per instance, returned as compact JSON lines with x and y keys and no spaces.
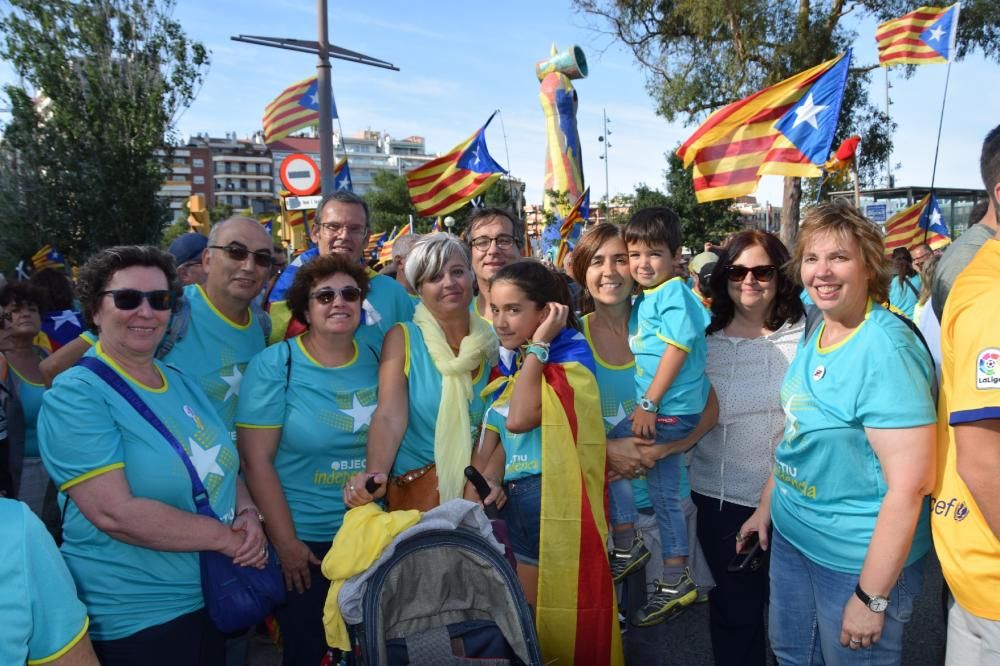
{"x":750,"y":558}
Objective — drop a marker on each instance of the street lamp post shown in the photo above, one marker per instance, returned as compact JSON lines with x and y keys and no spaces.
{"x":604,"y":138}
{"x":449,"y":223}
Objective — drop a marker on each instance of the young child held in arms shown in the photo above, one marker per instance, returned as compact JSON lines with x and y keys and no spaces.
{"x":667,"y":337}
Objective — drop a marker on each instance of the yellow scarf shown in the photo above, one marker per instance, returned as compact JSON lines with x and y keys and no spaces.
{"x":452,"y":445}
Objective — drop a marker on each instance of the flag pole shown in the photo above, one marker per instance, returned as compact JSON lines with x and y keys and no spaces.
{"x":325,"y":87}
{"x":510,"y":180}
{"x":937,"y":145}
{"x":888,"y":161}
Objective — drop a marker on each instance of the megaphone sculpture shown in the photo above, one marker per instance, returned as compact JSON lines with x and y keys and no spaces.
{"x":563,"y":160}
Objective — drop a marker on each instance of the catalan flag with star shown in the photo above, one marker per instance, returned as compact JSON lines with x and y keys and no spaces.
{"x":297,"y":107}
{"x":919,"y":223}
{"x":924,"y":36}
{"x":385,"y":253}
{"x":784,"y":130}
{"x":572,"y":226}
{"x":449,"y":182}
{"x":342,"y":176}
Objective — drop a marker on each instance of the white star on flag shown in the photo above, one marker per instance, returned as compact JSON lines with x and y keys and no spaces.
{"x":936,"y":33}
{"x":475,"y":155}
{"x":362,"y":415}
{"x":314,"y":98}
{"x":205,"y":461}
{"x":618,"y":417}
{"x":935,"y":218}
{"x":343,"y":181}
{"x":65,"y":317}
{"x":234,"y":380}
{"x":807,"y":112}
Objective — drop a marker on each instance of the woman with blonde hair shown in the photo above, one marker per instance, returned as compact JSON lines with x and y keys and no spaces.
{"x":857,"y":458}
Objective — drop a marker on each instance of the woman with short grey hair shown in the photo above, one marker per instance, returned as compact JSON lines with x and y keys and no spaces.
{"x":430,"y":377}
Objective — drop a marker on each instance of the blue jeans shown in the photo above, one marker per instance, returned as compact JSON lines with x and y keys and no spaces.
{"x":664,"y":486}
{"x":523,"y":514}
{"x":807,"y":609}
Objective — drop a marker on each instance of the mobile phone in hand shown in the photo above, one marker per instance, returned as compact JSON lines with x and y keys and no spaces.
{"x":750,"y":558}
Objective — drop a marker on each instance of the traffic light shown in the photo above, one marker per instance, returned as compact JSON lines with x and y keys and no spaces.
{"x":198,"y":217}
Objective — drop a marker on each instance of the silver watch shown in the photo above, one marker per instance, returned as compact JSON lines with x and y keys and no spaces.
{"x":876,"y":604}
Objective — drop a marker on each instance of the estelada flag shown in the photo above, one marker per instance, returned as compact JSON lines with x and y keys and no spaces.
{"x":342,"y":176}
{"x":572,"y":226}
{"x":784,"y":130}
{"x":924,"y":36}
{"x":297,"y":107}
{"x":919,"y":223}
{"x":576,"y":614}
{"x":449,"y":182}
{"x":385,"y":254}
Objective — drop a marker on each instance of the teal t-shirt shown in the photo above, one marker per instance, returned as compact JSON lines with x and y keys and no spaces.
{"x":324,"y":414}
{"x":40,"y":616}
{"x":29,"y":395}
{"x":86,"y":429}
{"x":215,"y":351}
{"x":671,"y":314}
{"x":424,"y":385}
{"x":902,"y":296}
{"x":523,"y":451}
{"x":829,"y":484}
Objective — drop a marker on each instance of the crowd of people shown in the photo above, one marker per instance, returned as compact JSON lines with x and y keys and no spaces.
{"x":780,"y":429}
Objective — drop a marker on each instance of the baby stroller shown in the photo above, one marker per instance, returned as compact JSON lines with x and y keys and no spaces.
{"x":445,"y":596}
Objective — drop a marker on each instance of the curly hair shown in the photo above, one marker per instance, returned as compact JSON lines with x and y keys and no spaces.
{"x":320,"y":268}
{"x":101,"y":267}
{"x":57,"y":286}
{"x":539,"y":284}
{"x":843,"y":221}
{"x":22,"y":293}
{"x":590,"y":242}
{"x":786,"y":307}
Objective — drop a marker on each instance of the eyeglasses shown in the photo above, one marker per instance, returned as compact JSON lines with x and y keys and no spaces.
{"x":483,"y":243}
{"x":326,"y":295}
{"x":130,"y":299}
{"x":239,"y":253}
{"x":334,"y":228}
{"x":760,"y":273}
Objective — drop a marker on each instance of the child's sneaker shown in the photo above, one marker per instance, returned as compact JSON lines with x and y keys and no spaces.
{"x":669,"y":598}
{"x":624,"y":562}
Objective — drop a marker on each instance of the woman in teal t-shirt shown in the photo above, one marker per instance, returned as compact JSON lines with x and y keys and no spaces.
{"x":131,"y":531}
{"x":856,"y":461}
{"x":904,"y":289}
{"x":302,"y":425}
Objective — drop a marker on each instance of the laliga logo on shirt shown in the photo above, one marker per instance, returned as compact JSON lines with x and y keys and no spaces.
{"x":988,"y":369}
{"x":941,"y":508}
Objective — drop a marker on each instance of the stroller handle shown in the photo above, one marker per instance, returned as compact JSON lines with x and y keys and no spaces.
{"x":483,"y":489}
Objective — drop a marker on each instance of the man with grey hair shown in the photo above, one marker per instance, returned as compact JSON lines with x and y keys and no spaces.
{"x":342,"y":227}
{"x":400,"y":250}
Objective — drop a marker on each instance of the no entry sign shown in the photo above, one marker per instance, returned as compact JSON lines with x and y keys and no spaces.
{"x":299,"y":174}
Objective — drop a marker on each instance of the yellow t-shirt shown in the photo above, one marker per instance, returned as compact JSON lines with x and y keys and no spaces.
{"x":970,"y":392}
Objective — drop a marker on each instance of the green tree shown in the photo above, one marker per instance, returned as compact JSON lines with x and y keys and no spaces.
{"x":107,"y":78}
{"x":700,"y":223}
{"x":389,"y":202}
{"x":699,"y":56}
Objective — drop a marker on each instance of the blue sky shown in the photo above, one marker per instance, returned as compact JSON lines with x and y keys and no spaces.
{"x":461,"y":60}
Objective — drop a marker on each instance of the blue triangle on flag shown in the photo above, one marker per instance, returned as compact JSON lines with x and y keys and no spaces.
{"x":931,"y":219}
{"x":812,"y":121}
{"x":343,"y":181}
{"x":310,"y":99}
{"x":477,"y":158}
{"x":938,"y":35}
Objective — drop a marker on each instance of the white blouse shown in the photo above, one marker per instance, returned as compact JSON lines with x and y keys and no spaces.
{"x":733,"y":461}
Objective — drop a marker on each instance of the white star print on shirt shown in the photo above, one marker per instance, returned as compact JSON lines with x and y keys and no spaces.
{"x":618,"y":417}
{"x":205,"y":461}
{"x":807,"y":113}
{"x":362,"y":415}
{"x":234,"y":380}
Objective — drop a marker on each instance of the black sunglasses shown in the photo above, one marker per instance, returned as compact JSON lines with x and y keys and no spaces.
{"x":262,"y":258}
{"x":760,"y":273}
{"x":130,"y":299}
{"x":325,"y":296}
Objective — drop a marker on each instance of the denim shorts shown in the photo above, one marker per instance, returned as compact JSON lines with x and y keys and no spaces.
{"x":522,"y":513}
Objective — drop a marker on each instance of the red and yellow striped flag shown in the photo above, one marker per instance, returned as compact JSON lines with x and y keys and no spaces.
{"x":904,"y":229}
{"x":924,"y":36}
{"x":295,"y":108}
{"x":447,"y":183}
{"x":298,"y":217}
{"x":741,"y":142}
{"x":385,"y":254}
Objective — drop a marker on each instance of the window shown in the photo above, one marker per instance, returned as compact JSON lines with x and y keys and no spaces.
{"x":199,"y":180}
{"x":198,"y":163}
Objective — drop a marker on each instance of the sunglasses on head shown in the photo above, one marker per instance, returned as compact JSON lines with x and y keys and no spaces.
{"x":760,"y":273}
{"x":325,"y":296}
{"x":239,"y":253}
{"x":130,"y":299}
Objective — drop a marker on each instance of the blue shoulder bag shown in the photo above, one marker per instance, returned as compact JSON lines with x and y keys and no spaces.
{"x":235,"y":597}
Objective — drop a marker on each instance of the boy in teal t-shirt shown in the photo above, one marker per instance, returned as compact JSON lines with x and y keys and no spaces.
{"x":667,"y":338}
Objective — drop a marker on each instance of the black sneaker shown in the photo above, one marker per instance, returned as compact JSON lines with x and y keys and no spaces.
{"x":667,"y":601}
{"x":624,"y":563}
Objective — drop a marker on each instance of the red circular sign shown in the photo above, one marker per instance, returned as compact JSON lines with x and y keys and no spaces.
{"x":299,"y":174}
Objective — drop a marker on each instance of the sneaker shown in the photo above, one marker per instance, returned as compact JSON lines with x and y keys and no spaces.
{"x":624,"y":563}
{"x":667,"y":601}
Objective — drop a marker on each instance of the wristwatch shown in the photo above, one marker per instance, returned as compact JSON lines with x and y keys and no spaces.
{"x":875,"y":604}
{"x":540,"y":350}
{"x":648,"y":405}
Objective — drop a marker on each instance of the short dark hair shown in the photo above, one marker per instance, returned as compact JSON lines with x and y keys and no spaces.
{"x":539,"y":284}
{"x":22,"y":293}
{"x":57,"y":286}
{"x":347,"y":197}
{"x":787,"y":306}
{"x":319,"y":268}
{"x":480,"y":215}
{"x":657,"y":225}
{"x":989,"y":165}
{"x":101,"y":267}
{"x":978,"y":211}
